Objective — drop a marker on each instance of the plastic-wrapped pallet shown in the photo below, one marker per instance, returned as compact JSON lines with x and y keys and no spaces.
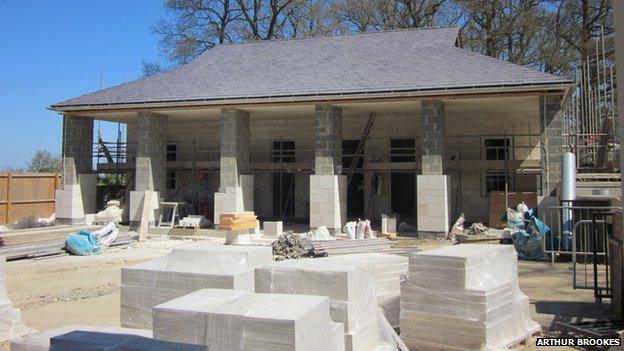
{"x":40,"y":341}
{"x":471,"y":290}
{"x":349,"y":285}
{"x":227,"y":320}
{"x":11,"y":325}
{"x":388,"y":273}
{"x":183,"y":271}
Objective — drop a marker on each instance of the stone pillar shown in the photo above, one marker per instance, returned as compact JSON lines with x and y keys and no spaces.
{"x":328,"y":188}
{"x":432,"y":186}
{"x":235,"y":183}
{"x":151,"y":164}
{"x":77,"y":196}
{"x":551,"y":122}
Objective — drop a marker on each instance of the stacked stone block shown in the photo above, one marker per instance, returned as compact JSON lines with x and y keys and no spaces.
{"x":551,"y":121}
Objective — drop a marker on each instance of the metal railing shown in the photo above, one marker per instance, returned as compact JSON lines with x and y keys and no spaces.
{"x":580,"y":234}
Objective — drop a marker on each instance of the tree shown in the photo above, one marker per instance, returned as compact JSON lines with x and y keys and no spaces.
{"x":44,"y":161}
{"x":551,"y":35}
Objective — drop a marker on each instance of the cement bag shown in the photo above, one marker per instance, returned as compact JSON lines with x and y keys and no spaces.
{"x":107,"y":234}
{"x":83,"y":243}
{"x":350,"y":229}
{"x":361,"y":230}
{"x":515,"y":219}
{"x":322,"y":233}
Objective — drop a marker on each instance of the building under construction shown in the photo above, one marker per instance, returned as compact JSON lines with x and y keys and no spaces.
{"x":326,"y":129}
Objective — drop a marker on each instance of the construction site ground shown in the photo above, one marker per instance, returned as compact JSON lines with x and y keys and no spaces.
{"x":71,"y":290}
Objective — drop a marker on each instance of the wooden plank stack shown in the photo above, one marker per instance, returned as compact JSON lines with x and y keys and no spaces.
{"x":346,"y":246}
{"x":470,"y":290}
{"x":238,"y":221}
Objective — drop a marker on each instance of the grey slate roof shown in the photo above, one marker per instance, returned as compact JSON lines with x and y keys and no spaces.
{"x":404,"y":60}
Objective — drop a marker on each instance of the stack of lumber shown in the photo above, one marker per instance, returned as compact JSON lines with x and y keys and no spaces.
{"x":11,"y":325}
{"x":470,"y":290}
{"x":346,"y":246}
{"x":388,"y":273}
{"x":229,"y":320}
{"x":238,"y":221}
{"x":185,"y":270}
{"x":348,"y":283}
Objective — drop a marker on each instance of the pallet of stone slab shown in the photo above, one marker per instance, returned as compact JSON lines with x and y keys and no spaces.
{"x":349,"y":284}
{"x":11,"y":325}
{"x":40,"y":341}
{"x":38,"y":235}
{"x":229,"y":320}
{"x":348,"y":246}
{"x":184,"y":270}
{"x":471,"y":290}
{"x":388,"y":273}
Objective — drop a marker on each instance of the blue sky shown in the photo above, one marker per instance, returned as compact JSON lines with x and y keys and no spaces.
{"x":54,"y":50}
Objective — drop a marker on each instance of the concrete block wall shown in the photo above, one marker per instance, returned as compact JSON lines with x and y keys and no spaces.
{"x":77,"y":147}
{"x":432,"y":136}
{"x":328,"y":139}
{"x":234,"y":136}
{"x":151,"y":152}
{"x":473,"y":121}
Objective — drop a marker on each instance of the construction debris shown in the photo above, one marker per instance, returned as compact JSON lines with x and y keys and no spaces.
{"x":225,"y":319}
{"x":183,"y":271}
{"x":477,"y":229}
{"x":291,"y":246}
{"x":471,"y":290}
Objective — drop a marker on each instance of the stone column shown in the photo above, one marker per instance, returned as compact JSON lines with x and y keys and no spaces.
{"x":236,"y":183}
{"x":77,"y":196}
{"x":151,"y":165}
{"x":551,"y":122}
{"x":328,"y":188}
{"x":432,"y":186}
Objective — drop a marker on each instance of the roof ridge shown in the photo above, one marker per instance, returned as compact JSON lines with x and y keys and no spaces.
{"x":326,"y":37}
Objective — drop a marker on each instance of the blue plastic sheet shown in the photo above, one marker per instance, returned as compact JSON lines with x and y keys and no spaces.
{"x":94,"y":341}
{"x":83,"y":243}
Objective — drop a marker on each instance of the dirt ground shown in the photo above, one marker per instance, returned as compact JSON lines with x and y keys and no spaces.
{"x":69,"y":290}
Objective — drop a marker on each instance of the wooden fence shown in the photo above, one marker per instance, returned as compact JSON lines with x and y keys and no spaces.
{"x":27,"y":194}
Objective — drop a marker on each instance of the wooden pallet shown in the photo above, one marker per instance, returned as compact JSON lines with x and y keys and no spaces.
{"x":524,"y":341}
